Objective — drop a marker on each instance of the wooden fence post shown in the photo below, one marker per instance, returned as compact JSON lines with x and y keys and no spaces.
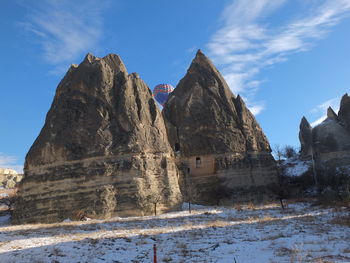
{"x":154,"y":253}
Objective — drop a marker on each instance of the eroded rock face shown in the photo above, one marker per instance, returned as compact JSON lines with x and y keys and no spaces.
{"x":344,"y":111}
{"x":222,"y":149}
{"x":103,"y":149}
{"x":305,"y":138}
{"x":329,"y":142}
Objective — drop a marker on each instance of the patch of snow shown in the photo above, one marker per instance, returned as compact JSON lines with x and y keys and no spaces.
{"x":296,"y":167}
{"x":194,"y":206}
{"x":4,"y":194}
{"x":4,"y":220}
{"x":345,"y":168}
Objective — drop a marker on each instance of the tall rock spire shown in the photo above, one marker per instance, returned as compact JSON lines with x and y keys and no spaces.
{"x":305,"y":137}
{"x":103,"y":149}
{"x":344,"y":111}
{"x":205,"y":120}
{"x":199,"y":98}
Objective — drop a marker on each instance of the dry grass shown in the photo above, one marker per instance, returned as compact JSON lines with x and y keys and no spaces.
{"x":308,"y":218}
{"x":238,"y":208}
{"x":295,"y":254}
{"x":341,"y":220}
{"x":217,"y":223}
{"x":274,"y":237}
{"x":167,"y":259}
{"x":251,"y":206}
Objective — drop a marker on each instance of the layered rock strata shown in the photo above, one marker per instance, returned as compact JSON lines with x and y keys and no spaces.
{"x":103,"y":150}
{"x":328,"y":142}
{"x":221,"y":148}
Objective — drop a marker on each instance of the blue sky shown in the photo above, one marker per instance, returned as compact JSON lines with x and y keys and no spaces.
{"x":287,"y":58}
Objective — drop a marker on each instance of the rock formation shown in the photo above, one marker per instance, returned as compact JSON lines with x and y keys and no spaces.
{"x":305,"y":138}
{"x":9,"y":178}
{"x":7,"y":171}
{"x":344,"y":112}
{"x":330,"y":140}
{"x":220,"y":146}
{"x":103,"y":150}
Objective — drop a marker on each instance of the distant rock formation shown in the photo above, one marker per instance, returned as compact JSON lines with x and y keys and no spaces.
{"x":329,"y":142}
{"x":9,"y":178}
{"x":6,"y":171}
{"x":221,"y":148}
{"x":103,"y":150}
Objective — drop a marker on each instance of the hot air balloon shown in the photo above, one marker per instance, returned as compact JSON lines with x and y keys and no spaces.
{"x":161,"y":92}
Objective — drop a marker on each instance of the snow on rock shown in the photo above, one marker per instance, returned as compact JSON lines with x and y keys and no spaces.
{"x":295,"y":167}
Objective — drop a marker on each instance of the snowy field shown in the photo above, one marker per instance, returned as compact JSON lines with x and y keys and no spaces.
{"x":300,"y":233}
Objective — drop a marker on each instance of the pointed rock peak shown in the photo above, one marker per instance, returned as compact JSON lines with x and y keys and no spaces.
{"x":205,"y":71}
{"x":239,"y":99}
{"x":89,"y":58}
{"x":199,"y":53}
{"x":202,"y":59}
{"x":331,"y":114}
{"x":345,"y":100}
{"x":240,"y":102}
{"x":114,"y":61}
{"x":202,"y":63}
{"x":305,"y":123}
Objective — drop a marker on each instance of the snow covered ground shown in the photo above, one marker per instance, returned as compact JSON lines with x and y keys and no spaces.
{"x":300,"y":233}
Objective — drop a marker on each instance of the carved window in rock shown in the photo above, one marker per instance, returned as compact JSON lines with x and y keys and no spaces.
{"x":198,"y":162}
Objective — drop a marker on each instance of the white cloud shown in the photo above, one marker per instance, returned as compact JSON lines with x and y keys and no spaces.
{"x":10,"y":162}
{"x":256,"y":108}
{"x":245,"y":45}
{"x":334,"y":103}
{"x":322,"y":109}
{"x":65,"y":29}
{"x":318,"y":121}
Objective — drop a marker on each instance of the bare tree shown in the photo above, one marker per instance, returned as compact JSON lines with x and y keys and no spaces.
{"x":278,"y":152}
{"x":289,"y":152}
{"x":155,"y":198}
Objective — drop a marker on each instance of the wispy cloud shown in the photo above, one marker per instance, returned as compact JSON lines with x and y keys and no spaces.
{"x":65,"y":29}
{"x":10,"y":162}
{"x":245,"y":44}
{"x":322,"y":109}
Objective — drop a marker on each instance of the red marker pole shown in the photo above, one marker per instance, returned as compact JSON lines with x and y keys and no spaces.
{"x":155,"y":253}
